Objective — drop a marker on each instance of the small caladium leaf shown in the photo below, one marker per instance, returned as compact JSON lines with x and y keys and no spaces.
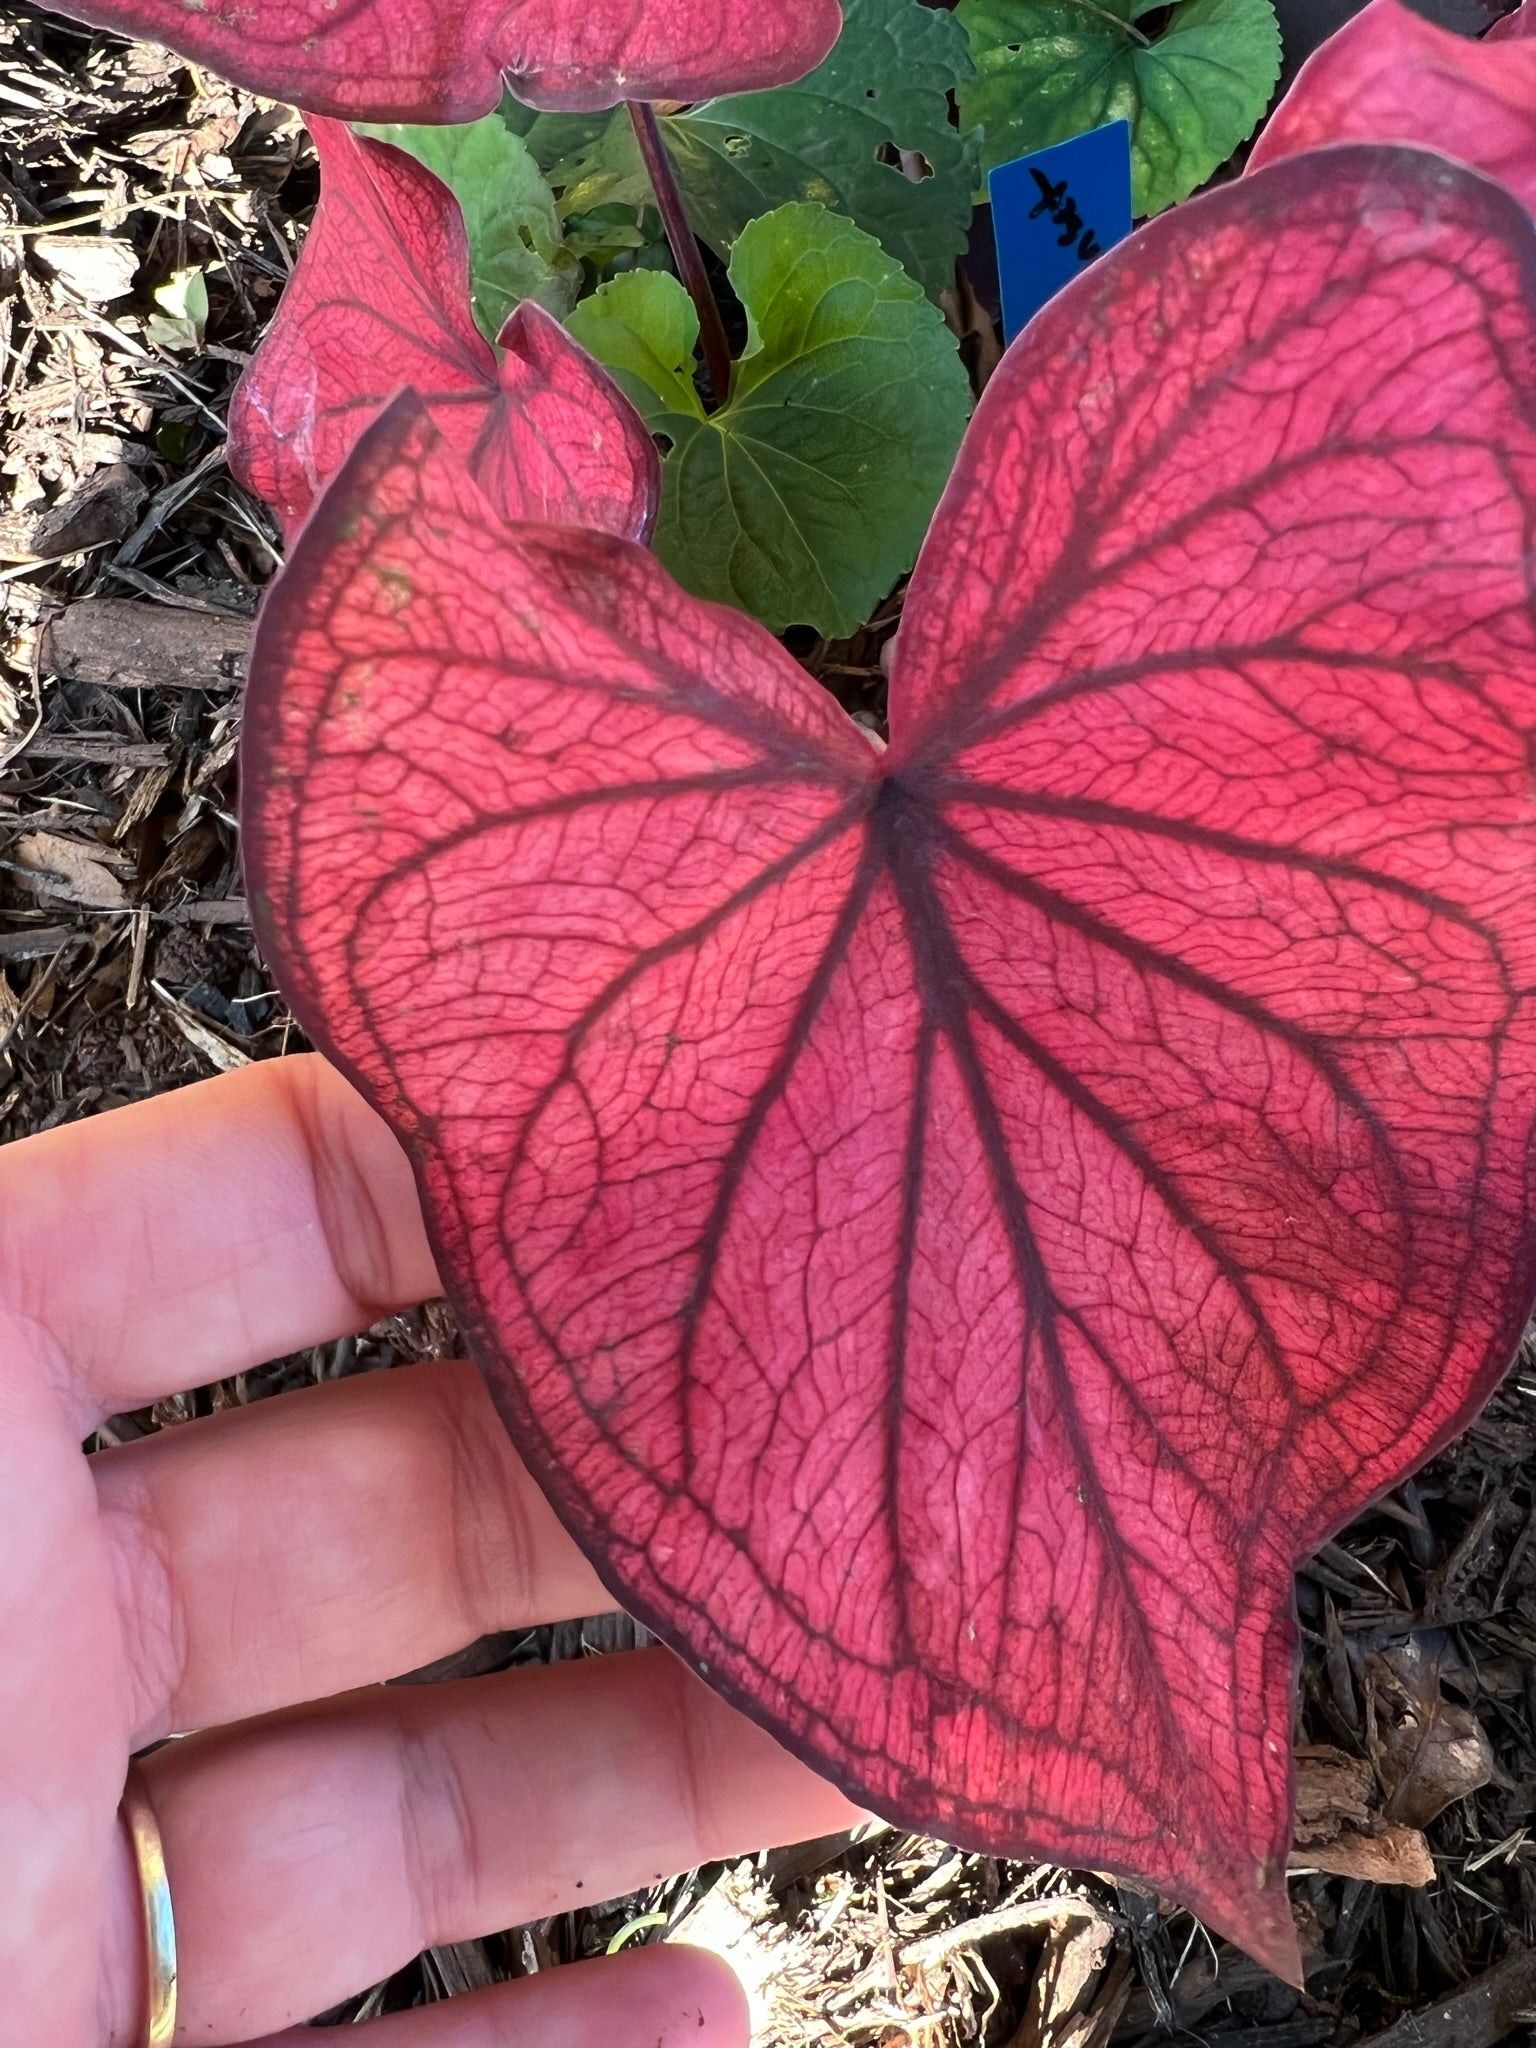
{"x":516,"y":248}
{"x":421,"y":60}
{"x":885,"y":88}
{"x":805,"y":497}
{"x":1389,"y":75}
{"x":381,"y":299}
{"x":1048,"y":69}
{"x":951,"y":1230}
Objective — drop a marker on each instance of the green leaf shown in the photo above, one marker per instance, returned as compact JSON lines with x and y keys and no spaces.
{"x":807,"y":494}
{"x":644,"y":327}
{"x":516,"y":247}
{"x":591,"y":160}
{"x":1049,"y":69}
{"x":885,"y":87}
{"x":183,"y":314}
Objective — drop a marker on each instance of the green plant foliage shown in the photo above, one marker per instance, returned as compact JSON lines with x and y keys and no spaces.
{"x":884,"y":88}
{"x":181,"y":316}
{"x":516,"y":244}
{"x":1048,"y":69}
{"x":807,"y":494}
{"x":886,"y":85}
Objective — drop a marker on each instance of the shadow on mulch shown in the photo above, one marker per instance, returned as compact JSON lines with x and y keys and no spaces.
{"x":127,"y":967}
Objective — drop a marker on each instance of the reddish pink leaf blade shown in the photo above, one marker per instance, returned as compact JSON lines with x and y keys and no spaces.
{"x":951,"y":1233}
{"x":561,"y":444}
{"x":1388,"y":75}
{"x":420,"y":60}
{"x":1519,"y":22}
{"x":381,"y":299}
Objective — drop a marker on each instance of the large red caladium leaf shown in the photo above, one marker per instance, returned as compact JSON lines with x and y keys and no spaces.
{"x":1388,"y":75}
{"x":950,"y":1230}
{"x":448,"y":60}
{"x":380,"y":299}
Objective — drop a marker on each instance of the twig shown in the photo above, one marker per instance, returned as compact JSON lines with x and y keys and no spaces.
{"x":931,"y":1949}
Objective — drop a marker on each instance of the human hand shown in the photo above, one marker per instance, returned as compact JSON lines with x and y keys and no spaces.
{"x":234,"y":1575}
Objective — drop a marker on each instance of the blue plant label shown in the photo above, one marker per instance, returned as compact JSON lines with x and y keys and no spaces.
{"x":1053,"y":211}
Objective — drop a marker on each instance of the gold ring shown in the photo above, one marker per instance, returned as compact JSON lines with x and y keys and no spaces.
{"x":159,"y":1925}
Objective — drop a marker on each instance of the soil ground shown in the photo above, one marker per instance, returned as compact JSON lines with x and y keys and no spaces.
{"x":127,"y":967}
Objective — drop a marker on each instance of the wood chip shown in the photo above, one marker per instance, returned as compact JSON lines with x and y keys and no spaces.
{"x":1070,"y":2006}
{"x":207,"y":910}
{"x":40,"y":942}
{"x":218,"y":1052}
{"x":1340,"y":1830}
{"x":122,"y":644}
{"x":103,"y":509}
{"x":1429,"y":1751}
{"x":97,"y":747}
{"x":1479,"y":2015}
{"x":96,"y":268}
{"x":72,"y":870}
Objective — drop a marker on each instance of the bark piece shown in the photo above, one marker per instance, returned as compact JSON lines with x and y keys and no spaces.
{"x":123,"y":644}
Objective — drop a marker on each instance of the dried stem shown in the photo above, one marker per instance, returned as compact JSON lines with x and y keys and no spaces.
{"x":685,"y":248}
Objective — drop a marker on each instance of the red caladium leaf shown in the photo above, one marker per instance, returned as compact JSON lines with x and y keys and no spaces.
{"x":1388,"y":75}
{"x":381,"y":299}
{"x":951,"y":1230}
{"x":1511,"y":27}
{"x":423,"y":60}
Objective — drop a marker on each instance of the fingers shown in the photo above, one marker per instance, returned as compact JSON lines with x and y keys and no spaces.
{"x":203,"y":1232}
{"x":655,"y":1998}
{"x":311,"y":1855}
{"x":332,"y":1538}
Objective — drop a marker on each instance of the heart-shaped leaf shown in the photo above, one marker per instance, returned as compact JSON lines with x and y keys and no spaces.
{"x":422,"y":60}
{"x":951,"y":1230}
{"x":805,"y":497}
{"x":885,"y":88}
{"x":1391,"y":76}
{"x":1046,"y":70}
{"x":381,"y":299}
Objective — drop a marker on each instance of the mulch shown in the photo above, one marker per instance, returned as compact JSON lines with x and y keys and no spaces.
{"x":131,"y":564}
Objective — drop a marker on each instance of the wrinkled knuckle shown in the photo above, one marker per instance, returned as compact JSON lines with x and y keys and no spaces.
{"x":152,"y":1616}
{"x":688,"y":1711}
{"x":439,"y":1849}
{"x":493,"y":1543}
{"x":352,"y":1221}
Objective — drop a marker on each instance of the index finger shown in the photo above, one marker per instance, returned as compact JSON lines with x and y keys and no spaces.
{"x":171,"y":1243}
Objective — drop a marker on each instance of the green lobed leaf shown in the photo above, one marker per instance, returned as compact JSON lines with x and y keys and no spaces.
{"x":1049,"y":69}
{"x":885,"y":87}
{"x":807,"y":494}
{"x":516,"y":245}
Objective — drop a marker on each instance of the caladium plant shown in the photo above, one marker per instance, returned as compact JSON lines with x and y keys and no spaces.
{"x":381,"y":298}
{"x":952,"y":1228}
{"x":1388,"y":75}
{"x":421,"y":60}
{"x":803,"y":497}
